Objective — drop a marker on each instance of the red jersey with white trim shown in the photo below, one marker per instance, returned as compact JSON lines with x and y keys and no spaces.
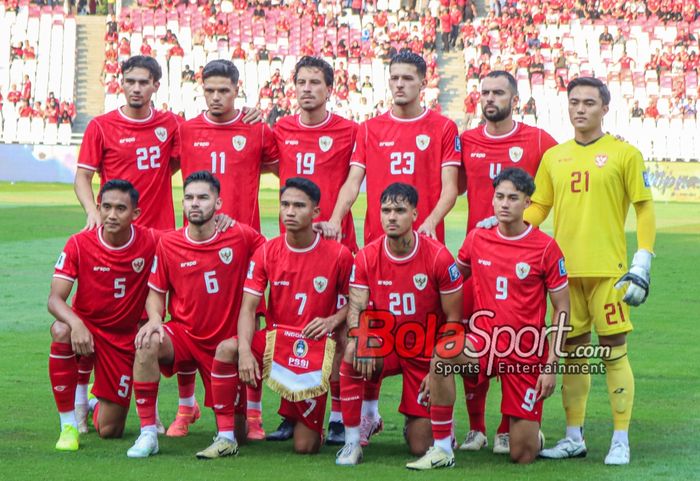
{"x":512,"y":276}
{"x":204,"y":280}
{"x":413,"y":151}
{"x":112,"y":281}
{"x":409,"y":287}
{"x":234,"y":152}
{"x":139,"y":151}
{"x":485,"y":155}
{"x":304,"y":283}
{"x":320,"y":153}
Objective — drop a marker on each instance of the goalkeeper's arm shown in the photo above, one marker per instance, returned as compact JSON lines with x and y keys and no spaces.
{"x":638,"y":277}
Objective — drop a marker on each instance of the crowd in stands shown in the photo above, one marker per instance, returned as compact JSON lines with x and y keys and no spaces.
{"x":37,"y":72}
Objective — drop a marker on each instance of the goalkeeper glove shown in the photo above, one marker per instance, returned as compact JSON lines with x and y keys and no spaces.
{"x":637,"y":279}
{"x":488,"y":222}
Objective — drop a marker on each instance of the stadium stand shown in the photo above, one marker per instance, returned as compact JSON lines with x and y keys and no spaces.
{"x":647,"y":53}
{"x":265,"y":44}
{"x":37,"y":73}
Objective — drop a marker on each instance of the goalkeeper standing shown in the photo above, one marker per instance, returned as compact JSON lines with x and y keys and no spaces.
{"x":590,"y":182}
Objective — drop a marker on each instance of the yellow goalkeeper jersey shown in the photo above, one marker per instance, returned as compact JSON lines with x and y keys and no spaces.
{"x":590,"y":189}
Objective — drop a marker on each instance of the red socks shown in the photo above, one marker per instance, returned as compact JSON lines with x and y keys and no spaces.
{"x":85,"y":366}
{"x":63,"y":373}
{"x":371,"y":391}
{"x":335,"y":396}
{"x":224,"y":386}
{"x":476,"y":406}
{"x":146,"y":394}
{"x":186,"y":375}
{"x":351,"y":385}
{"x":441,"y":421}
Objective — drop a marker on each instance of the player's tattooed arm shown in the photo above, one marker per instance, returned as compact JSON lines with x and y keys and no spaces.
{"x":547,"y":382}
{"x":322,"y":326}
{"x":83,"y":191}
{"x":359,"y":299}
{"x":155,"y":306}
{"x":448,"y":197}
{"x":346,"y":198}
{"x":80,"y":336}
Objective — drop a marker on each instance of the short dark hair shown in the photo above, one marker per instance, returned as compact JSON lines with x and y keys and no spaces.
{"x":122,"y":186}
{"x":398,"y":192}
{"x":590,"y":82}
{"x":522,"y":181}
{"x":411,"y":59}
{"x":143,"y":61}
{"x":304,"y":185}
{"x":512,"y":83}
{"x":203,"y":176}
{"x":315,"y":62}
{"x":221,"y":68}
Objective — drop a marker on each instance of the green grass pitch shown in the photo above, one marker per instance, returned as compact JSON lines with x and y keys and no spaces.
{"x":35,"y":221}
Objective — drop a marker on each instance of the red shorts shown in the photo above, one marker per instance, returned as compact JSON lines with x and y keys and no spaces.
{"x":189,"y":351}
{"x":114,"y":365}
{"x":413,"y":372}
{"x":310,"y":412}
{"x":519,"y":396}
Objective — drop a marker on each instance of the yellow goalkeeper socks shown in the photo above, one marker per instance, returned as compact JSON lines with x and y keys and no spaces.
{"x":575,"y":388}
{"x":620,"y":386}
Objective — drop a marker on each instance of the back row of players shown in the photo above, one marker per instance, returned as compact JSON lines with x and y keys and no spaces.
{"x":404,"y":154}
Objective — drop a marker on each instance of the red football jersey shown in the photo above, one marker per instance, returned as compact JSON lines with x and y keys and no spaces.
{"x":234,"y":152}
{"x":320,"y":153}
{"x":413,"y":151}
{"x":511,"y":276}
{"x":204,"y":280}
{"x":304,"y":283}
{"x":139,"y":151}
{"x":112,"y":282}
{"x":409,"y":287}
{"x":485,"y":155}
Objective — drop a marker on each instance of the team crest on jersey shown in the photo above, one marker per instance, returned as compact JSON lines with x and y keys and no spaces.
{"x":238,"y":142}
{"x":226,"y":255}
{"x":422,"y":141}
{"x":300,"y":348}
{"x":137,"y":264}
{"x":522,"y":269}
{"x":320,"y":284}
{"x":601,"y":160}
{"x":161,"y":134}
{"x":325,"y":143}
{"x":515,"y":153}
{"x":420,"y":281}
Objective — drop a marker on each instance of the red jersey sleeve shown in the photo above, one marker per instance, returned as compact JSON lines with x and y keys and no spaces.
{"x":158,"y":279}
{"x":256,"y":278}
{"x":270,"y":154}
{"x":359,"y":150}
{"x":358,"y":275}
{"x":546,"y":142}
{"x":345,"y":264}
{"x":554,"y":267}
{"x":67,"y":264}
{"x":464,"y":257}
{"x":91,"y":148}
{"x":446,"y":272}
{"x":451,"y":146}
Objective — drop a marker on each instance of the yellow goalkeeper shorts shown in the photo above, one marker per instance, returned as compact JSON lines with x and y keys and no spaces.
{"x":596,"y":302}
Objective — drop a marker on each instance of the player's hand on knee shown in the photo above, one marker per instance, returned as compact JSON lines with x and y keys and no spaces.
{"x":424,"y":391}
{"x":488,"y":222}
{"x":145,"y":335}
{"x":252,"y":115}
{"x":545,"y":385}
{"x":637,"y":279}
{"x":365,"y":366}
{"x":248,"y":369}
{"x":81,"y":339}
{"x":318,"y":327}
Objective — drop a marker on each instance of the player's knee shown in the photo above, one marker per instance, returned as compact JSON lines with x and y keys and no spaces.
{"x":60,"y":332}
{"x":523,"y":454}
{"x":418,"y":446}
{"x":227,"y":351}
{"x":110,"y":430}
{"x":307,"y":445}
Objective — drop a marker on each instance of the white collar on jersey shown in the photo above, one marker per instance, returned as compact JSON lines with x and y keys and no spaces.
{"x":151,"y":113}
{"x":112,"y":248}
{"x":515,"y":238}
{"x":305,"y":249}
{"x":206,"y":241}
{"x":405,"y":258}
{"x":315,"y":126}
{"x":232,"y":121}
{"x":516,"y":124}
{"x":414,"y":119}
